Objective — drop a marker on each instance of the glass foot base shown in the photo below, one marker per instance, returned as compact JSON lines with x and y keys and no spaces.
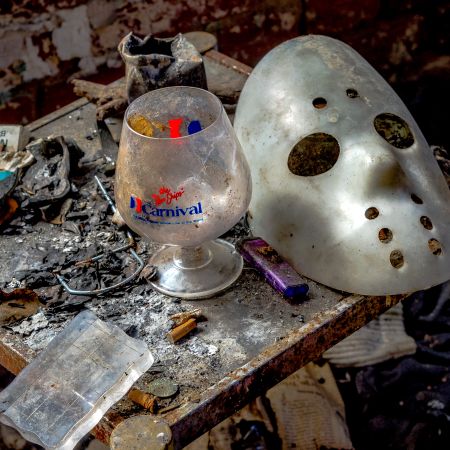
{"x":198,"y":272}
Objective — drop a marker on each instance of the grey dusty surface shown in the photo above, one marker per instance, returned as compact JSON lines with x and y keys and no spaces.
{"x":240,"y":322}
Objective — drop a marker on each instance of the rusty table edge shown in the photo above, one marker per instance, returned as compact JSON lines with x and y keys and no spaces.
{"x":271,"y":366}
{"x":14,"y":355}
{"x":39,"y":123}
{"x":229,"y":62}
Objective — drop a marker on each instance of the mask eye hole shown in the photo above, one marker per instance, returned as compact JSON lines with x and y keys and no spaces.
{"x":397,"y":259}
{"x":394,"y":130}
{"x":426,"y":222}
{"x":435,"y":246}
{"x":319,"y":103}
{"x":385,"y":235}
{"x":416,"y":199}
{"x":371,"y":213}
{"x":314,"y":154}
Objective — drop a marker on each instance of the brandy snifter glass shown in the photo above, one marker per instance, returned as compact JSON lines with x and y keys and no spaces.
{"x":183,"y":183}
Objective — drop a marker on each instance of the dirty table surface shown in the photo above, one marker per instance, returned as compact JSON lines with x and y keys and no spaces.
{"x":252,"y":338}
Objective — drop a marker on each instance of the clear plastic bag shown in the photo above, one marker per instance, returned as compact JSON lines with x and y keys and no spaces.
{"x":68,"y":388}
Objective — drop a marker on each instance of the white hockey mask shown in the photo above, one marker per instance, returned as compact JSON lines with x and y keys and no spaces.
{"x":345,"y":186}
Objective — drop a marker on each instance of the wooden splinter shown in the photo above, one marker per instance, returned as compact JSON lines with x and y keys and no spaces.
{"x":143,"y":399}
{"x":182,"y":330}
{"x":111,"y":100}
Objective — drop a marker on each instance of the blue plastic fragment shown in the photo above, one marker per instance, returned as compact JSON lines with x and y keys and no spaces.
{"x":4,"y":174}
{"x":194,"y":127}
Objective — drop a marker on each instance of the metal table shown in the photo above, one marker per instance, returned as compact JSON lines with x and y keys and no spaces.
{"x":253,"y":338}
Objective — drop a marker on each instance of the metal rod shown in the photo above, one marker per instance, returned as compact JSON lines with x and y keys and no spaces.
{"x":105,"y":194}
{"x":113,"y":206}
{"x":102,"y":255}
{"x":131,"y":243}
{"x":106,"y":289}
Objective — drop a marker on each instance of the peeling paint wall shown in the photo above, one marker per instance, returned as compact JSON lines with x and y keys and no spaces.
{"x":43,"y":43}
{"x":38,"y":36}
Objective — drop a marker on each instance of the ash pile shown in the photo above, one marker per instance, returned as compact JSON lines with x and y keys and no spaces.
{"x":61,"y":220}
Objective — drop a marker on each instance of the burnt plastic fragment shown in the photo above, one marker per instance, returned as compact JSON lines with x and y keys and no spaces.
{"x":153,"y":63}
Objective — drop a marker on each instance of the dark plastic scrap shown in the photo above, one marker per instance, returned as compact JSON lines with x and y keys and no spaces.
{"x":153,"y":63}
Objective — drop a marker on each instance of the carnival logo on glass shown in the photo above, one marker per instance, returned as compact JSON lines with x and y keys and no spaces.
{"x":151,"y":212}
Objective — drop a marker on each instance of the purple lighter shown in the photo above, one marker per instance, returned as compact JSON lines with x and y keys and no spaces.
{"x":278,"y":273}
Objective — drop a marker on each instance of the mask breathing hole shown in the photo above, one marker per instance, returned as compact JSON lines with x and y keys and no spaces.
{"x":396,"y":259}
{"x":319,"y":103}
{"x":426,"y":222}
{"x":416,"y":199}
{"x":394,"y":130}
{"x":385,"y":235}
{"x":435,"y":246}
{"x":314,"y":154}
{"x":371,"y":213}
{"x":352,"y":93}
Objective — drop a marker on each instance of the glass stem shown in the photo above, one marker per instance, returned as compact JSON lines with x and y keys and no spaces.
{"x":192,"y":257}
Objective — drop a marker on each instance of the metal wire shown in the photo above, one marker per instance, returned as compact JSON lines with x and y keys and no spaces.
{"x":130,"y":245}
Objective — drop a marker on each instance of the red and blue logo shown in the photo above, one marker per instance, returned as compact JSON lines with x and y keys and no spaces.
{"x":161,"y":210}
